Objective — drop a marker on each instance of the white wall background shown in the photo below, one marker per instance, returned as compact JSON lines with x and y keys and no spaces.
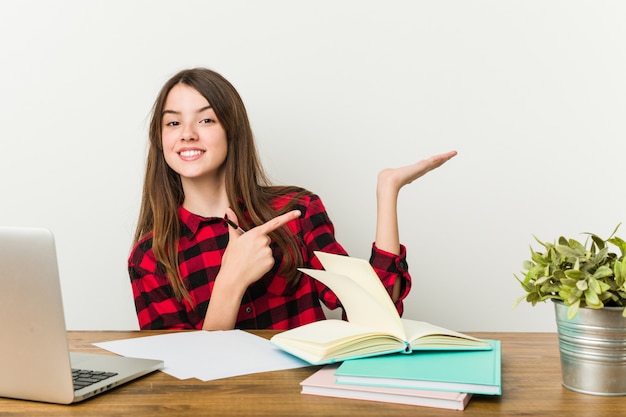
{"x":531,"y":93}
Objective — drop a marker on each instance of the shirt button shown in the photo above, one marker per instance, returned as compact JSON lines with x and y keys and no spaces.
{"x":402,"y":264}
{"x":248,"y":310}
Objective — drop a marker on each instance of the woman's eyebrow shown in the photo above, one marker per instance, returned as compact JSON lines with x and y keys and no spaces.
{"x":166,"y":111}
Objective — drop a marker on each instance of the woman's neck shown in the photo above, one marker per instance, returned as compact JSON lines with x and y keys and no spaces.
{"x":206,"y":198}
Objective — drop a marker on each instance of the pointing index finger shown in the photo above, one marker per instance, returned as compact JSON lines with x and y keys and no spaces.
{"x":278,"y":221}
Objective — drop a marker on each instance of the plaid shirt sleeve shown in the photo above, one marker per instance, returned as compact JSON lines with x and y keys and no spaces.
{"x":156,"y":305}
{"x":319,"y":235}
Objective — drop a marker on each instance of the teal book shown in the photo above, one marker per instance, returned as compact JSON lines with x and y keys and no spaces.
{"x":475,"y":372}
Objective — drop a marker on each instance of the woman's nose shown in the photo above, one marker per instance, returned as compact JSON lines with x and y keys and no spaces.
{"x":189,"y":133}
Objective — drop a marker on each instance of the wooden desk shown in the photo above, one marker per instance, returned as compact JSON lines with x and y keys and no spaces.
{"x":530,"y":375}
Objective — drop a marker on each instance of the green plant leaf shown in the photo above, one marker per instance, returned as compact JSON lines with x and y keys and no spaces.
{"x":601,"y":256}
{"x":620,"y":243}
{"x":615,"y":230}
{"x":533,"y":298}
{"x":530,"y":275}
{"x":606,"y":297}
{"x":538,"y":257}
{"x":544,"y":244}
{"x":576,"y":246}
{"x":568,"y":252}
{"x":604,"y":287}
{"x":591,"y":299}
{"x":568,"y":297}
{"x":574,"y":274}
{"x":603,"y":272}
{"x":527,"y":265}
{"x":597,"y":240}
{"x":542,"y":280}
{"x":569,"y":282}
{"x":594,"y":285}
{"x":573,"y":310}
{"x":519,"y":300}
{"x":527,"y":286}
{"x":620,"y":272}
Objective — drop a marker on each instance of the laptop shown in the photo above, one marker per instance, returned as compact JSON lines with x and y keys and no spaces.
{"x":35,"y":361}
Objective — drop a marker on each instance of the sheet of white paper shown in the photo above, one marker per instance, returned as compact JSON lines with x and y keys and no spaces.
{"x":207,"y":355}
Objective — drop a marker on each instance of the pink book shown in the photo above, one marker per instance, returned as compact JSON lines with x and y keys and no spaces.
{"x":323,"y":383}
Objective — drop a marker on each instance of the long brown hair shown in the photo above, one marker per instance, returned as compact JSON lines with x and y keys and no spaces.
{"x":247,"y":185}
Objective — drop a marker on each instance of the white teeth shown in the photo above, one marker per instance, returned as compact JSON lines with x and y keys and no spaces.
{"x":187,"y":154}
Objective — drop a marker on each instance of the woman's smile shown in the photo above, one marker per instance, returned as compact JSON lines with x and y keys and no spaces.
{"x":190,"y":154}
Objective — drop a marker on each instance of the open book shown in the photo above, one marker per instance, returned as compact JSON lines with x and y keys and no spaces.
{"x":374,"y":326}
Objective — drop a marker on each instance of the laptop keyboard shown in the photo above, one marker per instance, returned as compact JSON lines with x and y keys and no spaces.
{"x":84,"y":377}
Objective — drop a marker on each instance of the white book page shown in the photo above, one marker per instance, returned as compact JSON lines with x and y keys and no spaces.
{"x":362,"y":273}
{"x":325,"y":333}
{"x":362,"y":308}
{"x":417,"y":329}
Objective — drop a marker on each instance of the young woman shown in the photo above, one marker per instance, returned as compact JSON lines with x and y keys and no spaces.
{"x":217,"y":246}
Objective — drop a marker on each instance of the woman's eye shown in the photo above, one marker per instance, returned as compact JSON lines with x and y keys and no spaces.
{"x":173,"y":123}
{"x":207,"y":121}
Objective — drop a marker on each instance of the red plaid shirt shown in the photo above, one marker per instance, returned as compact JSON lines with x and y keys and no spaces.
{"x":266,"y":304}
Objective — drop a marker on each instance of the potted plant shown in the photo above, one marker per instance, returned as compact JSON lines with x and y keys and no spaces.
{"x":586,"y":282}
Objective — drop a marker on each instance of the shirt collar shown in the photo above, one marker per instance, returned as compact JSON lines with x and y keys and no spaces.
{"x":191,"y":222}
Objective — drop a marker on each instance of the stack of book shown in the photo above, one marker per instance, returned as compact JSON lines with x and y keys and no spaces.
{"x":378,"y":356}
{"x":441,"y":379}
